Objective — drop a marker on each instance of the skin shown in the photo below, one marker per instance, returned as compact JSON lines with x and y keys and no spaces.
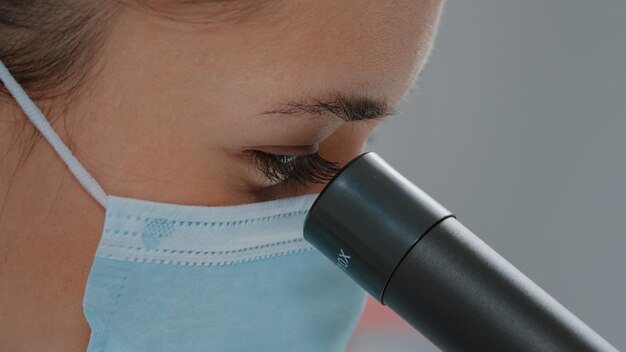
{"x":163,"y":110}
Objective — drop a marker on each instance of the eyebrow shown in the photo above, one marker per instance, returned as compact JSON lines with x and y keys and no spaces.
{"x":347,"y":107}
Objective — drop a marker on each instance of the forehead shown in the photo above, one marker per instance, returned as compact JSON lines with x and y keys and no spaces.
{"x":285,"y":47}
{"x":201,"y":11}
{"x":370,"y":43}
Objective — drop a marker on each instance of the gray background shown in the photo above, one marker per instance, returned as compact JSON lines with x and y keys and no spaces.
{"x":517,"y":126}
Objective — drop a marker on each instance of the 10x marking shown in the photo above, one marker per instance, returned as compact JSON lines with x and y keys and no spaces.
{"x":343,"y":260}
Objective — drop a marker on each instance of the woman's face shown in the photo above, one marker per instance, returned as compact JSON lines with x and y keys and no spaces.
{"x":175,"y":100}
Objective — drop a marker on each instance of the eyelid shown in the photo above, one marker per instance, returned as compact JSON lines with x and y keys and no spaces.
{"x":290,"y":170}
{"x":290,"y":150}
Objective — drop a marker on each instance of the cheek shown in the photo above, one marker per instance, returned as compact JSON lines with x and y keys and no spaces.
{"x":346,"y":142}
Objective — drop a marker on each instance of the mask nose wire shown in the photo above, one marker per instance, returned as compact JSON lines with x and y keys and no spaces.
{"x":36,"y":116}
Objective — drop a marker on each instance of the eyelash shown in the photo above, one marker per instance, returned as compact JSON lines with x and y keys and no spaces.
{"x":290,"y":169}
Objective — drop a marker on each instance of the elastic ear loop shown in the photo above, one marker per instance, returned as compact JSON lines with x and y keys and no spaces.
{"x":36,"y":116}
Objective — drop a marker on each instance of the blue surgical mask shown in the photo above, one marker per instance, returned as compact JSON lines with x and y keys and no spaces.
{"x":170,"y":277}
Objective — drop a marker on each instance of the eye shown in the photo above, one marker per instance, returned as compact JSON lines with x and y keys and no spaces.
{"x":290,"y":169}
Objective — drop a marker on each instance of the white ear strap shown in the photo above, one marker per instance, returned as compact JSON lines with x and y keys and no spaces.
{"x":34,"y":114}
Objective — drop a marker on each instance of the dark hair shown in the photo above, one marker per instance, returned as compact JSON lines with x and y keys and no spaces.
{"x":48,"y":44}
